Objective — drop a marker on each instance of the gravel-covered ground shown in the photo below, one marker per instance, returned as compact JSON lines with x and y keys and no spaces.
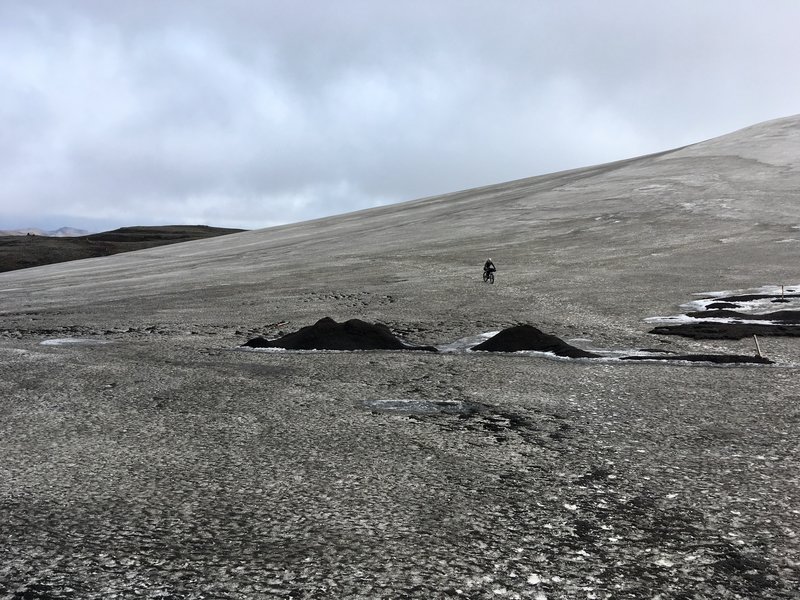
{"x":215,"y":472}
{"x":144,"y":454}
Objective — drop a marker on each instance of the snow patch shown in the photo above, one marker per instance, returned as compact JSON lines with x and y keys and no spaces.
{"x":73,"y":341}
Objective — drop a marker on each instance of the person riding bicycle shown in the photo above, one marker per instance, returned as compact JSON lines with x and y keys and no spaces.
{"x":488,"y":267}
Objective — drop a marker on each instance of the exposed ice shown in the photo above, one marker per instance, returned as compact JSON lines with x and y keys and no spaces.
{"x":68,"y":341}
{"x":414,"y":406}
{"x":276,"y":350}
{"x":680,"y":319}
{"x":465,"y":344}
{"x":766,"y":289}
{"x":755,"y":306}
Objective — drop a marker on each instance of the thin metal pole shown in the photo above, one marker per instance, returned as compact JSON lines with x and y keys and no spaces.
{"x":758,"y":348}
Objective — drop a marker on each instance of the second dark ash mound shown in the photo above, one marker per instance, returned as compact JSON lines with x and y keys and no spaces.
{"x":527,"y":337}
{"x":327,"y":334}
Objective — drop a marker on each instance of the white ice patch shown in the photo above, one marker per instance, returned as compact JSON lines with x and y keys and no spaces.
{"x":412,"y":406}
{"x":467,"y":343}
{"x":550,"y":355}
{"x":767,"y":289}
{"x":684,"y":319}
{"x":269,"y":350}
{"x":73,"y":341}
{"x":754,"y":307}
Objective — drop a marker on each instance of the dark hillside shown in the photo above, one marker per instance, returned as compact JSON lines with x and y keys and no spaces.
{"x":24,"y":251}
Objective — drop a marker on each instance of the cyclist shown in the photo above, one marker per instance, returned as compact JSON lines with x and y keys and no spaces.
{"x":488,"y":267}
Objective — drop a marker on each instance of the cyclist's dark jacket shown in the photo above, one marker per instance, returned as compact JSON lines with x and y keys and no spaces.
{"x":489,"y":267}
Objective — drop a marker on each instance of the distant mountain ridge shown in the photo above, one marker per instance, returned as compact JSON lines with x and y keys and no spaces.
{"x":26,"y":248}
{"x":60,"y":232}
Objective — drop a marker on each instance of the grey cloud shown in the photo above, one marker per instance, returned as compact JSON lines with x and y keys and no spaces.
{"x":250,"y":114}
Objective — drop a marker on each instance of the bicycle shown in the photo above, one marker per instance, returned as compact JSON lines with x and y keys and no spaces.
{"x":488,"y":276}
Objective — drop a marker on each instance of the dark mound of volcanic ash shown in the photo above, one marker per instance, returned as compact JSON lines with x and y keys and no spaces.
{"x":327,"y":334}
{"x":527,"y":337}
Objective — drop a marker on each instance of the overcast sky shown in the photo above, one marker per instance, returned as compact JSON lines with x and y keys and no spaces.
{"x":254,"y":113}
